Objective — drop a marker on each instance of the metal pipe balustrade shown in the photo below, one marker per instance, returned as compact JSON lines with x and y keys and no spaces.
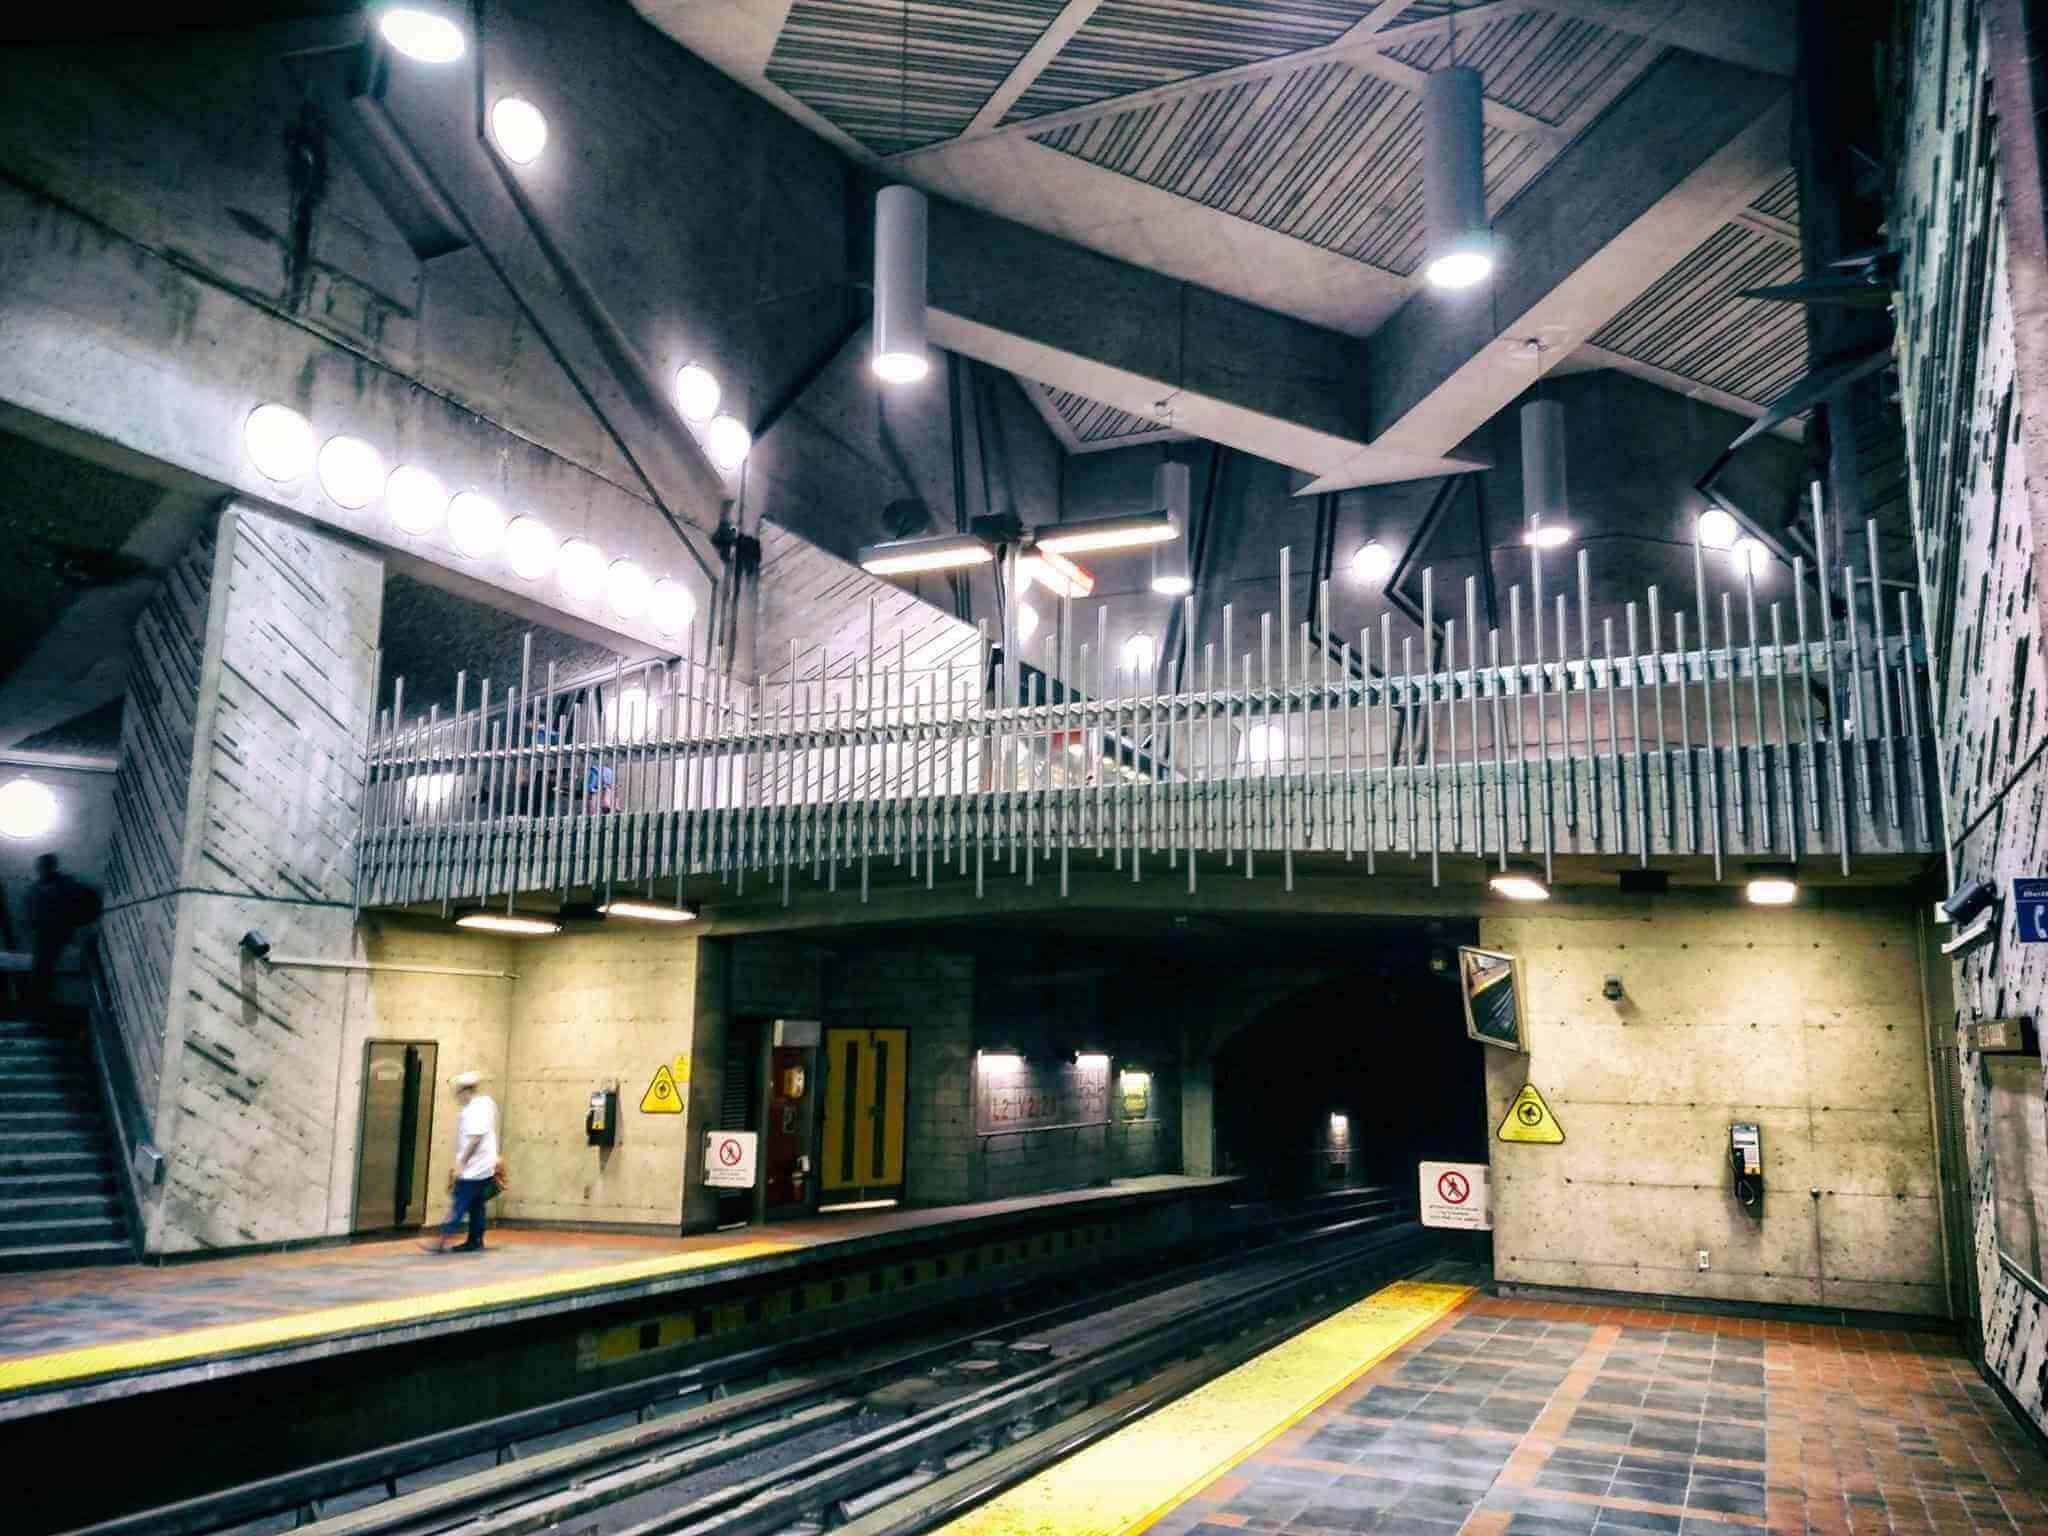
{"x":1687,"y":734}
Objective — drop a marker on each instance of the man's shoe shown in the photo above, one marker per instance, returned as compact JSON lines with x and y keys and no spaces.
{"x":467,"y":1248}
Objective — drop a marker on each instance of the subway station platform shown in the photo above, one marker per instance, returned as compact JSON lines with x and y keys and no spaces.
{"x":67,"y":1337}
{"x":1431,"y":1408}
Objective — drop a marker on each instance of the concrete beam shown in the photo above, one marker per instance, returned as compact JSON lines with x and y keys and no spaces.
{"x":1692,"y":142}
{"x":1754,"y":34}
{"x":1047,"y":309}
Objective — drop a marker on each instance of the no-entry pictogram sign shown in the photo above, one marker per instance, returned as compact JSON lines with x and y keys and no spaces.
{"x":729,"y":1159}
{"x":1456,"y":1195}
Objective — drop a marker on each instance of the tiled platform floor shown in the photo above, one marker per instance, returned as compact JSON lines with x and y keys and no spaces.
{"x":1536,"y":1419}
{"x":53,"y":1311}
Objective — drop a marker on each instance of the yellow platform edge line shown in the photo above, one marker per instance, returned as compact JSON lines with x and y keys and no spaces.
{"x":94,"y":1360}
{"x":1113,"y":1488}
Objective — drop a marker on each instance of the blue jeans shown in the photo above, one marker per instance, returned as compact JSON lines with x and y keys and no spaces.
{"x":469,"y":1206}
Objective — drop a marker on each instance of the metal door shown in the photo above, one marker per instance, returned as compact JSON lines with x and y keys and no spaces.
{"x":397,"y":1129}
{"x":864,"y":1097}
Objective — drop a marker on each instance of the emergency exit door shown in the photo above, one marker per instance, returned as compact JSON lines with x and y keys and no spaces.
{"x":862,"y":1156}
{"x":397,"y":1132}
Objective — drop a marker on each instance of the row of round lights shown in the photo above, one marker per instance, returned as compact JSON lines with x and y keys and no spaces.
{"x":520,"y":130}
{"x":1719,"y":530}
{"x":282,"y":445}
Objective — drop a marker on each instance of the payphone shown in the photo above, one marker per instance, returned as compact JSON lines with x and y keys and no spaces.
{"x":1746,"y":1161}
{"x":601,"y":1122}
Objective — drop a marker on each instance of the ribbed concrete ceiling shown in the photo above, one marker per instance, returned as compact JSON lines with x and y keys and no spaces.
{"x":1272,"y":149}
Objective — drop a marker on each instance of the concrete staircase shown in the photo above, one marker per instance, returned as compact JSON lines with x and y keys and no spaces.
{"x":58,"y":1202}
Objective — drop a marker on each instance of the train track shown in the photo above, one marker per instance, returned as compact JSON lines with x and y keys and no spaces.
{"x":879,"y":1439}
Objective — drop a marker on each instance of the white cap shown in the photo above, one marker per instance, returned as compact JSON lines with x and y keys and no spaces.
{"x":467,"y":1079}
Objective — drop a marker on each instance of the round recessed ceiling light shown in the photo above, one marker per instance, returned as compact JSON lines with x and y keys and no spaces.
{"x":1548,"y":536}
{"x":1138,"y":652}
{"x":1459,"y":269}
{"x":696,"y":393}
{"x":529,"y":548}
{"x":671,"y":606}
{"x":476,"y":524}
{"x":351,"y":471}
{"x":901,"y":367}
{"x":279,"y":440}
{"x":626,"y":588}
{"x":727,"y":442}
{"x":422,"y":35}
{"x":519,"y":128}
{"x":581,"y":568}
{"x":1373,"y":563}
{"x":27,"y":808}
{"x":417,"y":499}
{"x":1717,"y":529}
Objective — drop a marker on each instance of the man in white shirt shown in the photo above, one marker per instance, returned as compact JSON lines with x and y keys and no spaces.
{"x":475,"y":1168}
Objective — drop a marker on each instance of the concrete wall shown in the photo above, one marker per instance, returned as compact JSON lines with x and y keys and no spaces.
{"x":1807,"y":1021}
{"x":263,"y":837}
{"x":1972,"y":418}
{"x":589,"y":1010}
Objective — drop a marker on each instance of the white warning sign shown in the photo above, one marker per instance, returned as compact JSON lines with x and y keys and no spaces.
{"x":1457,"y":1195}
{"x":729,"y":1159}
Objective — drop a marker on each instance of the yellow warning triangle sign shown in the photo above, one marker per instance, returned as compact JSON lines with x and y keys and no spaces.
{"x":1529,"y":1120}
{"x":662,"y":1096}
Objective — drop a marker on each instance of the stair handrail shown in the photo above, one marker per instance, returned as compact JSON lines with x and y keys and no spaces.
{"x":142,"y":1161}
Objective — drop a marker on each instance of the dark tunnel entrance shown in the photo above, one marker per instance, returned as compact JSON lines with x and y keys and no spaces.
{"x":1359,"y":1073}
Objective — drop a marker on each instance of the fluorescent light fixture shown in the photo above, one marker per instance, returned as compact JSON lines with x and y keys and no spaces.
{"x":1139,"y":652}
{"x":1520,"y":882}
{"x":649,"y":912}
{"x":520,"y":129}
{"x":1773,"y":885}
{"x":1717,"y":528}
{"x":728,"y":442}
{"x":503,"y":922}
{"x":351,"y":471}
{"x":901,"y":355}
{"x":416,"y":499}
{"x":279,"y":441}
{"x":1092,"y":1056}
{"x":626,"y":588}
{"x":529,"y":548}
{"x":947,"y":552}
{"x":1754,"y":553}
{"x":27,"y":809}
{"x":1548,"y":536}
{"x":1340,"y":1123}
{"x":1056,"y":573}
{"x":1002,"y":1061}
{"x":580,"y":567}
{"x":476,"y":524}
{"x":421,"y":35}
{"x":696,"y":393}
{"x":671,"y":606}
{"x":1135,"y":531}
{"x":1373,"y":563}
{"x":1027,"y":621}
{"x":1459,"y":250}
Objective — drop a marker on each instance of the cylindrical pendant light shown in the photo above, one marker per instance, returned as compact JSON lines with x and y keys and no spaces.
{"x":1545,"y":509}
{"x":901,"y":355}
{"x":1460,"y":249}
{"x":1170,"y":575}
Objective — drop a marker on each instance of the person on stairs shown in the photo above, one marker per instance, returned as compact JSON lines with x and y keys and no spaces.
{"x":473,"y":1177}
{"x":58,"y":906}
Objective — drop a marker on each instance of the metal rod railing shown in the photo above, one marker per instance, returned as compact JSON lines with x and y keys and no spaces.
{"x":677,"y":771}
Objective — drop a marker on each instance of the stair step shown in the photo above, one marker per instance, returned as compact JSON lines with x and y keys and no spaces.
{"x":65,"y":1256}
{"x":54,"y":1188}
{"x":48,"y":1161}
{"x":15,"y":1211}
{"x":15,"y":1100}
{"x":36,"y":1234}
{"x":64,"y":1120}
{"x":24,"y":1143}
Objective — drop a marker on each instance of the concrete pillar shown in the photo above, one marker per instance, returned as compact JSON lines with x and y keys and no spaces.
{"x":1198,"y":1117}
{"x":236,"y":809}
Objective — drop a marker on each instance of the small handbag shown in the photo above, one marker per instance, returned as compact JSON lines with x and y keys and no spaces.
{"x":500,"y":1182}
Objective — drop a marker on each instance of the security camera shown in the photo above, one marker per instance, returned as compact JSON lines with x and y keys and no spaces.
{"x":255,"y":946}
{"x":1611,"y":989}
{"x":1969,"y":901}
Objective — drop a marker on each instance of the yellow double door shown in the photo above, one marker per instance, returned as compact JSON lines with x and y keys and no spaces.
{"x":865,"y":1072}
